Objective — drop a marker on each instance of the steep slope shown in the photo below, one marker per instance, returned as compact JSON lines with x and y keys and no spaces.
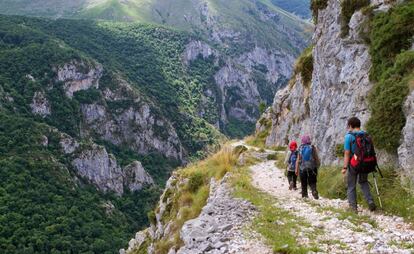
{"x":252,"y":45}
{"x":352,"y":69}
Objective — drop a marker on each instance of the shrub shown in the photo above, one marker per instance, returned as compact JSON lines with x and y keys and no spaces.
{"x":304,"y":66}
{"x":272,"y":156}
{"x":196,"y":180}
{"x":392,"y":68}
{"x":317,"y":5}
{"x":262,"y":107}
{"x":348,"y":8}
{"x":151,"y":217}
{"x":339,"y":150}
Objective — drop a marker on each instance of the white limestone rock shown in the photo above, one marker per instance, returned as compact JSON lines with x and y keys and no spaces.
{"x":40,"y":105}
{"x":136,"y":177}
{"x":77,"y":76}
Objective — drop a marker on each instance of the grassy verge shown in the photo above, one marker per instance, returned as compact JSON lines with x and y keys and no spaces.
{"x":331,"y":185}
{"x":277,"y":226}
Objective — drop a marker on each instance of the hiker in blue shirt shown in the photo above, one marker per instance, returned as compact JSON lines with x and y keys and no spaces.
{"x":354,"y":128}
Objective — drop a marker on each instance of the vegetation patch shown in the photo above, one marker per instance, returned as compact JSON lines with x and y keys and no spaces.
{"x":392,"y":71}
{"x":259,"y":139}
{"x":304,"y":66}
{"x":348,"y":8}
{"x":317,"y":5}
{"x":331,"y":184}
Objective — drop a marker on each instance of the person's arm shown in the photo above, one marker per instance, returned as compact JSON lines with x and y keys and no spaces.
{"x":287,"y":158}
{"x":316,"y":157}
{"x":297,"y":164}
{"x":347,"y":152}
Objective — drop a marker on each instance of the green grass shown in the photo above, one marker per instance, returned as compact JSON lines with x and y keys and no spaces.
{"x":274,"y":223}
{"x":259,"y":139}
{"x":348,"y":8}
{"x":331,"y":185}
{"x":392,"y":71}
{"x":342,"y":214}
{"x":304,"y":66}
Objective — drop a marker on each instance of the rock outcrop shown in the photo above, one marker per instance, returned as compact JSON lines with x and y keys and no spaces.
{"x":339,"y":87}
{"x":101,"y":168}
{"x":40,"y":105}
{"x":131,"y":121}
{"x":135,"y":176}
{"x":406,"y":150}
{"x":218,"y":229}
{"x":79,"y":75}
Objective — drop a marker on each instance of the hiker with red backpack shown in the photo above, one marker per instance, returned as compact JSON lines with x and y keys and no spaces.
{"x":290,"y":161}
{"x":307,"y":167}
{"x":359,"y":161}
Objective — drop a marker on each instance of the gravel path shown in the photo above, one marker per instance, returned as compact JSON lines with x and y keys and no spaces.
{"x":385,"y":234}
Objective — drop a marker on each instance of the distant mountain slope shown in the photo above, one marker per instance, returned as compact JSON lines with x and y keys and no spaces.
{"x":251,"y":44}
{"x":298,"y":7}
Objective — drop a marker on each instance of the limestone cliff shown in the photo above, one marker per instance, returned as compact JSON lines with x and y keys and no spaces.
{"x":339,"y":88}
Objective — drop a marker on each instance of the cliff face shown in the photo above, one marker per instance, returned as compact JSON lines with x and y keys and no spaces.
{"x":339,"y":89}
{"x":406,"y":150}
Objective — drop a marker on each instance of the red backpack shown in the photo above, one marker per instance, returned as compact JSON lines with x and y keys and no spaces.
{"x":364,"y":159}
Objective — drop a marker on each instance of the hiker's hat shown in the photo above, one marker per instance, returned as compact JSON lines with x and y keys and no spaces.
{"x":293,"y":145}
{"x":306,"y":140}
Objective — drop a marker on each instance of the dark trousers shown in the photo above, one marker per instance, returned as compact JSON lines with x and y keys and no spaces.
{"x":362,"y":179}
{"x":309,"y":178}
{"x":292,"y":178}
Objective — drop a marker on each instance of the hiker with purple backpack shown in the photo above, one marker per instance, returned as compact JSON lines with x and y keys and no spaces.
{"x":307,"y":166}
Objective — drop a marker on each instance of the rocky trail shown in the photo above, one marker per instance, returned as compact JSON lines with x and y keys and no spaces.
{"x":330,"y":230}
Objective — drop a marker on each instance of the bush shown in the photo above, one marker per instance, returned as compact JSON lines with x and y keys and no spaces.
{"x":392,"y":70}
{"x":317,"y":5}
{"x":348,"y":8}
{"x":196,"y":180}
{"x":151,"y":217}
{"x":272,"y":156}
{"x":304,"y":66}
{"x":339,"y":150}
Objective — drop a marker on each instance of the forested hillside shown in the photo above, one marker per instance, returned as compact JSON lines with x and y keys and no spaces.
{"x":97,"y":109}
{"x":47,"y":204}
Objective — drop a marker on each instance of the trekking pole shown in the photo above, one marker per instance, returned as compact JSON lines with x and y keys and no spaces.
{"x":376,"y":188}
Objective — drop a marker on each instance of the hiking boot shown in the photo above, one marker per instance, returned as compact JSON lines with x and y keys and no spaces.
{"x":290,"y":186}
{"x":315,"y":194}
{"x":353,"y":209}
{"x":372,"y":207}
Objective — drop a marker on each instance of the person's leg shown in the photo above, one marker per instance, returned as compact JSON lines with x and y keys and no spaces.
{"x":313,"y":176}
{"x":352,"y":179}
{"x":363,"y":182}
{"x":295,"y":179}
{"x":304,"y":184}
{"x":290,"y":179}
